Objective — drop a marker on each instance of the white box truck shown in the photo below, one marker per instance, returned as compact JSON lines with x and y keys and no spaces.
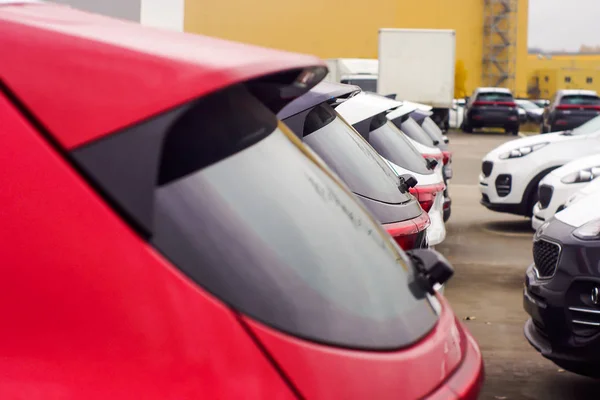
{"x":418,"y":65}
{"x":361,"y":72}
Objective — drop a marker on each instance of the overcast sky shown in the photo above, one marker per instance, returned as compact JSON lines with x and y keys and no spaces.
{"x":564,"y":24}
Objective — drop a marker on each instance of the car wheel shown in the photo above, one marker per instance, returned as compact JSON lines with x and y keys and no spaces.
{"x":467,"y":128}
{"x":513,"y":131}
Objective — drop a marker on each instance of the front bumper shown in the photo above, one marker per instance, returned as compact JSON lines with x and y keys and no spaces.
{"x":436,"y":233}
{"x":565,"y":323}
{"x":517,"y":198}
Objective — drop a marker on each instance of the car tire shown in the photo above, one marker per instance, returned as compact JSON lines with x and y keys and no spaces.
{"x":466,"y":128}
{"x":513,"y":130}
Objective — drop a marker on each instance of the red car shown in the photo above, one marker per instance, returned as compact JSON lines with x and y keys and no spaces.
{"x":164,"y":236}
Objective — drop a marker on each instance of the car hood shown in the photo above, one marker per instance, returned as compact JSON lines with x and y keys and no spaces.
{"x":577,"y":165}
{"x":555,"y":137}
{"x":581,"y":212}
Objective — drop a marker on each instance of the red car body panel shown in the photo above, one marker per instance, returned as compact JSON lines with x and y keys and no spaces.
{"x":89,"y":310}
{"x":118,"y":72}
{"x":322,"y":372}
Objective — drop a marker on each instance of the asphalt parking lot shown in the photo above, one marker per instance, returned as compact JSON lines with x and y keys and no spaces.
{"x":490,"y":252}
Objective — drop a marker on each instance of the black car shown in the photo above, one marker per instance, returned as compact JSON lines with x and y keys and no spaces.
{"x":313,"y":119}
{"x":562,"y":290}
{"x":533,"y":112}
{"x":418,"y":126}
{"x":569,"y":109}
{"x":491,"y":108}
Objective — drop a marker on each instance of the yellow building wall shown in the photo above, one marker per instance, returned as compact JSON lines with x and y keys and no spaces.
{"x":548,"y":72}
{"x":348,"y":28}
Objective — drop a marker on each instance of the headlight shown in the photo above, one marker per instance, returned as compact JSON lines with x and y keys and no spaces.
{"x":585,"y":175}
{"x":588,"y":231}
{"x":522,"y":151}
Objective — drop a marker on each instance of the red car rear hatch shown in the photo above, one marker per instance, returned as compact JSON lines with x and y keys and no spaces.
{"x":85,"y":76}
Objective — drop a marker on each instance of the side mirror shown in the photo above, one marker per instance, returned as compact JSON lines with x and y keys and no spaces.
{"x":432,"y":268}
{"x":446,"y":140}
{"x":407,"y":181}
{"x":436,"y":142}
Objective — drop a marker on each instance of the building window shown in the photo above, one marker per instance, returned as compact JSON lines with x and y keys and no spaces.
{"x":568,"y":79}
{"x":546,"y":78}
{"x":589,"y":79}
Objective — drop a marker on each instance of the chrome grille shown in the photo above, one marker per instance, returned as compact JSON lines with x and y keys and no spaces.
{"x":545,"y":257}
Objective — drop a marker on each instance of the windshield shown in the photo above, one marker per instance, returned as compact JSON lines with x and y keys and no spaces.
{"x":240,"y":208}
{"x":414,"y":131}
{"x":367,"y":85}
{"x":527,"y":105}
{"x":351,"y":157}
{"x":580,"y":100}
{"x":592,"y":126}
{"x":495,"y":96}
{"x":391,"y":143}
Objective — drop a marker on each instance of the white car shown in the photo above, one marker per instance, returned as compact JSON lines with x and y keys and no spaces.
{"x":511,"y":172}
{"x":589,"y":189}
{"x":457,"y":113}
{"x":584,"y":215}
{"x":556,"y":187}
{"x":366,"y":112}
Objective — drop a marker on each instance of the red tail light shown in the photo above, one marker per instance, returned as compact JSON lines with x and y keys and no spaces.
{"x":437,"y":156}
{"x":447,"y":156}
{"x":406,"y":233}
{"x":426,"y":194}
{"x":577,"y":106}
{"x":497,"y":103}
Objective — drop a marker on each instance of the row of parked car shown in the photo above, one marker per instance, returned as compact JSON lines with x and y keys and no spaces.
{"x":188,"y":217}
{"x":553,"y":178}
{"x":491,"y":107}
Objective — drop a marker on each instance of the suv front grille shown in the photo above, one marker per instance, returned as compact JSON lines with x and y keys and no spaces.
{"x":545,"y":257}
{"x":503,"y":185}
{"x":545,"y":195}
{"x":486,"y":168}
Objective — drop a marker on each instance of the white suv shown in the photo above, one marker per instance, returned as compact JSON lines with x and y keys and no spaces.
{"x":556,"y":187}
{"x":511,"y":172}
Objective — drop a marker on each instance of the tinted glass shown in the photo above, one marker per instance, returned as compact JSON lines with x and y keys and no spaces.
{"x":414,"y":131}
{"x":351,"y":157}
{"x":367,"y":85}
{"x":241,"y":209}
{"x":391,"y":143}
{"x":584,"y":100}
{"x":432,"y":129}
{"x":592,"y":126}
{"x":492,"y":96}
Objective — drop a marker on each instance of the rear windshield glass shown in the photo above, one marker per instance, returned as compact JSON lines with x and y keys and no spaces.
{"x":414,"y":131}
{"x":432,"y":129}
{"x":391,"y":143}
{"x":492,"y":96}
{"x":351,"y":157}
{"x":584,"y":100}
{"x":367,"y":85}
{"x":243,"y":212}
